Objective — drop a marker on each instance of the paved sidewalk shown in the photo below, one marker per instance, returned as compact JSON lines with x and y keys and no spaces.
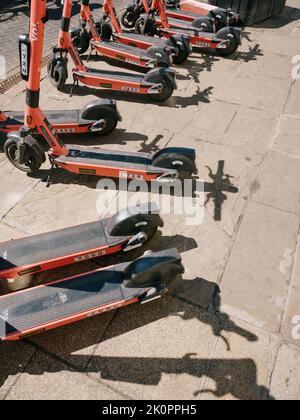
{"x":230,"y":328}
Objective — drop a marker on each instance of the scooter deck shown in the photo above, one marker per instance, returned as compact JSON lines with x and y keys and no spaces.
{"x":108,"y":76}
{"x":55,"y":117}
{"x":106,"y":158}
{"x":189,"y":30}
{"x":55,"y":303}
{"x":148,"y":41}
{"x":138,"y":53}
{"x":58,"y":244}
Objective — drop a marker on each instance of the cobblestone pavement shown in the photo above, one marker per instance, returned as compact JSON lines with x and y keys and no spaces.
{"x":14,"y":21}
{"x":230,"y":328}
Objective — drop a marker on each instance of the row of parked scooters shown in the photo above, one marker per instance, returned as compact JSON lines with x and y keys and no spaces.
{"x":163,"y":37}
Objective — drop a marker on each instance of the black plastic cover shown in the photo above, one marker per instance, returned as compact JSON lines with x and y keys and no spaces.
{"x":252,"y":11}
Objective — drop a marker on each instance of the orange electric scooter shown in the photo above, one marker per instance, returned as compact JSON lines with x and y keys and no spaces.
{"x":109,"y":28}
{"x":156,"y":22}
{"x":24,"y":150}
{"x":100,"y":38}
{"x":159,"y":83}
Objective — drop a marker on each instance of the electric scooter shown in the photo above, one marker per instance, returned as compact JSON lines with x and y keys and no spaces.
{"x":24,"y":151}
{"x":177,"y":47}
{"x":101,"y":41}
{"x":225,"y":41}
{"x":127,"y":230}
{"x":207,"y":18}
{"x":159,"y":83}
{"x":41,"y":308}
{"x":99,"y":117}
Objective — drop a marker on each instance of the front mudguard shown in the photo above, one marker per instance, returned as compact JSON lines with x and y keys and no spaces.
{"x":131,"y":221}
{"x":32,"y":143}
{"x":180,"y":151}
{"x":93,"y":109}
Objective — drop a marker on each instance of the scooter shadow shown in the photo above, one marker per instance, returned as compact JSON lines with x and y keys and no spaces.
{"x":59,"y":350}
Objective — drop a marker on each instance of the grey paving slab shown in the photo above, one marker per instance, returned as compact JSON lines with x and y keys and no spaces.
{"x":255,"y":283}
{"x":291,"y":322}
{"x":285,"y":383}
{"x":154,"y":352}
{"x":251,"y":130}
{"x":276,"y":185}
{"x":242,"y":364}
{"x":48,"y":378}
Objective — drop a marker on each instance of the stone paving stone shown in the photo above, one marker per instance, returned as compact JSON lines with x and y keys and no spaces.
{"x":154,"y":352}
{"x":288,"y":136}
{"x":285,"y":383}
{"x":291,"y":324}
{"x":49,"y":378}
{"x":77,"y":342}
{"x":239,"y":164}
{"x":251,"y":130}
{"x":276,"y":184}
{"x":11,"y":368}
{"x":293,"y":102}
{"x":255,"y":283}
{"x":241,"y":365}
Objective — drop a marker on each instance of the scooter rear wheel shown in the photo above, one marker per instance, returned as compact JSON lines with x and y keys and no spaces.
{"x":33,"y":162}
{"x":232,"y":47}
{"x":107,"y":123}
{"x":180,"y":163}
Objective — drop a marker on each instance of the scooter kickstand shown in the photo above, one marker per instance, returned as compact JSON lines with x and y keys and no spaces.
{"x":75,"y":83}
{"x":53,"y":166}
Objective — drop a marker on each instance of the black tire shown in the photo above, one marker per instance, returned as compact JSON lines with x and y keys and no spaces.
{"x":81,"y":44}
{"x":150,"y":29}
{"x":232,"y":47}
{"x":33,"y":160}
{"x":110,"y":121}
{"x":183,"y":52}
{"x":139,"y":26}
{"x":128,"y":20}
{"x":167,"y":86}
{"x":172,"y":161}
{"x":59,"y":76}
{"x":181,"y":56}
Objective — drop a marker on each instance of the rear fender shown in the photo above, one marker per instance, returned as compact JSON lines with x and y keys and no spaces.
{"x":91,"y":111}
{"x":180,"y":151}
{"x":133,"y":220}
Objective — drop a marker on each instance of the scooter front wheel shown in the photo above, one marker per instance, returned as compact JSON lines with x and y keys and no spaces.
{"x":32,"y":161}
{"x":128,"y":20}
{"x":81,"y":42}
{"x":57,"y":73}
